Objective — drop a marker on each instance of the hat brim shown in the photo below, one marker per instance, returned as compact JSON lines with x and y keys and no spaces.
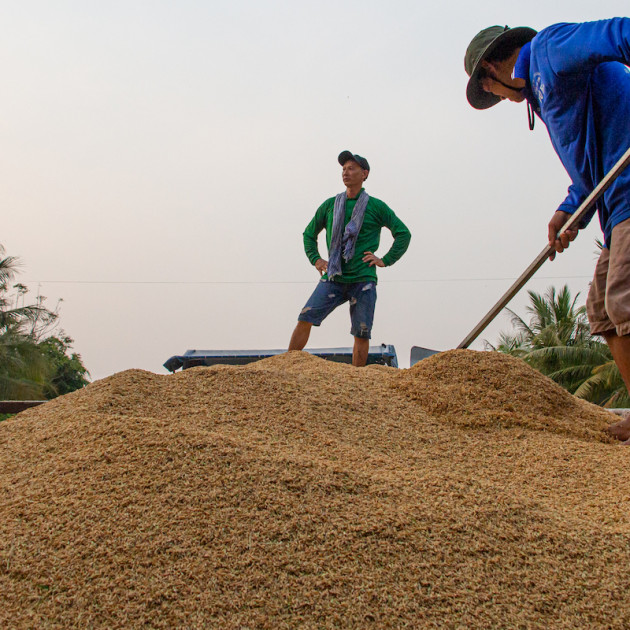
{"x":476,"y":95}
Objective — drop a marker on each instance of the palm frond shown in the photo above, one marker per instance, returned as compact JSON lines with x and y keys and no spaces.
{"x":557,"y":342}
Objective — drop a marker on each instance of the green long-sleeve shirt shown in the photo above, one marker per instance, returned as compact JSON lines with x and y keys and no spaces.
{"x":377,"y":215}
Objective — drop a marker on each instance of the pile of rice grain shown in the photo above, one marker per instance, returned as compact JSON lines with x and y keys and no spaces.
{"x":468,"y":491}
{"x":486,"y":388}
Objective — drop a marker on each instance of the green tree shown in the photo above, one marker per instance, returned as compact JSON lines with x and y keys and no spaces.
{"x":557,"y":341}
{"x":554,"y":320}
{"x":604,"y":386}
{"x":69,"y":372}
{"x":24,"y":371}
{"x":31,"y":362}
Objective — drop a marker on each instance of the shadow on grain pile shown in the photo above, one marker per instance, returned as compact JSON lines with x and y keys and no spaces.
{"x":468,"y":491}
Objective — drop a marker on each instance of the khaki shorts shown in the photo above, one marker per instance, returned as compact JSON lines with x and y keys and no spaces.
{"x":608,"y":303}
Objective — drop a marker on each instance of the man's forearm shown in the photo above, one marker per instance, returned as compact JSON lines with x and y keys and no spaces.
{"x":398,"y":248}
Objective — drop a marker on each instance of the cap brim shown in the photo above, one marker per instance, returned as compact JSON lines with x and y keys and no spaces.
{"x":344,"y":156}
{"x":476,"y":95}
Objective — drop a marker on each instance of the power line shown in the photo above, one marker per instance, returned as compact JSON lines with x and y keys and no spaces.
{"x":257,"y":282}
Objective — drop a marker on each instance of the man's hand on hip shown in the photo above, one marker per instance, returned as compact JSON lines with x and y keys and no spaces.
{"x":321,"y":265}
{"x":560,"y":243}
{"x":373,"y":259}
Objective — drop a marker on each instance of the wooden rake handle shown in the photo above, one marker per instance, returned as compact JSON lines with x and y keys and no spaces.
{"x":575,"y":219}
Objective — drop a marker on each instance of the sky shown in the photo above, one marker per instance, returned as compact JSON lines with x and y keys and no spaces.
{"x":160,"y":161}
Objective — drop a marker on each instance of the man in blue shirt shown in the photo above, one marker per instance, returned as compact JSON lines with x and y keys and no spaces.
{"x":575,"y":78}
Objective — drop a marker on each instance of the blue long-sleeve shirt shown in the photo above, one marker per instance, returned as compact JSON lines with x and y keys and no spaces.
{"x":579,"y":86}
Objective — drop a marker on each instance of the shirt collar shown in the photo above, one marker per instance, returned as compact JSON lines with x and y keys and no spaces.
{"x":521,"y":67}
{"x":521,"y":71}
{"x":357,"y":195}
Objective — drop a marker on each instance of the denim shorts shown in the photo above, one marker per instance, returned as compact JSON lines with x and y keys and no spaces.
{"x":330,"y":294}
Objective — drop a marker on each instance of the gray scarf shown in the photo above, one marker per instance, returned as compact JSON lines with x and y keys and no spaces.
{"x":345,"y":239}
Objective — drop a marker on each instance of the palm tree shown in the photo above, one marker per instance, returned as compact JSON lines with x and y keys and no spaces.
{"x":24,"y":369}
{"x":555,"y":320}
{"x":33,"y":362}
{"x":30,"y":319}
{"x":558,"y":343}
{"x":605,"y":386}
{"x":573,"y":366}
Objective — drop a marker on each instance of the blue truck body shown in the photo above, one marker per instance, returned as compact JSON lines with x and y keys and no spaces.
{"x":381,"y":355}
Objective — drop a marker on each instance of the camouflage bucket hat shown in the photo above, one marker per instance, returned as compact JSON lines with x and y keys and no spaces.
{"x":480,"y":48}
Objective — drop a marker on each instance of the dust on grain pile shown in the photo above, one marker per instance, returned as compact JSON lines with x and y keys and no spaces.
{"x":468,"y":491}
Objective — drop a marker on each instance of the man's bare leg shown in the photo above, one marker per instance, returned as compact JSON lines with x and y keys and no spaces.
{"x":620,"y":349}
{"x":360,"y":351}
{"x":300,"y":336}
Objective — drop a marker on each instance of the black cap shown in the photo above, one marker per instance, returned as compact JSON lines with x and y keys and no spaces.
{"x":344,"y":156}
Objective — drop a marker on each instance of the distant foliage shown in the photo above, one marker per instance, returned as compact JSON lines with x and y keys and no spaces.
{"x":69,"y":372}
{"x":34,"y":363}
{"x":556,"y":340}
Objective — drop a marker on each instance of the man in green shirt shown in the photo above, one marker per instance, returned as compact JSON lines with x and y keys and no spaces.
{"x":353,"y":222}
